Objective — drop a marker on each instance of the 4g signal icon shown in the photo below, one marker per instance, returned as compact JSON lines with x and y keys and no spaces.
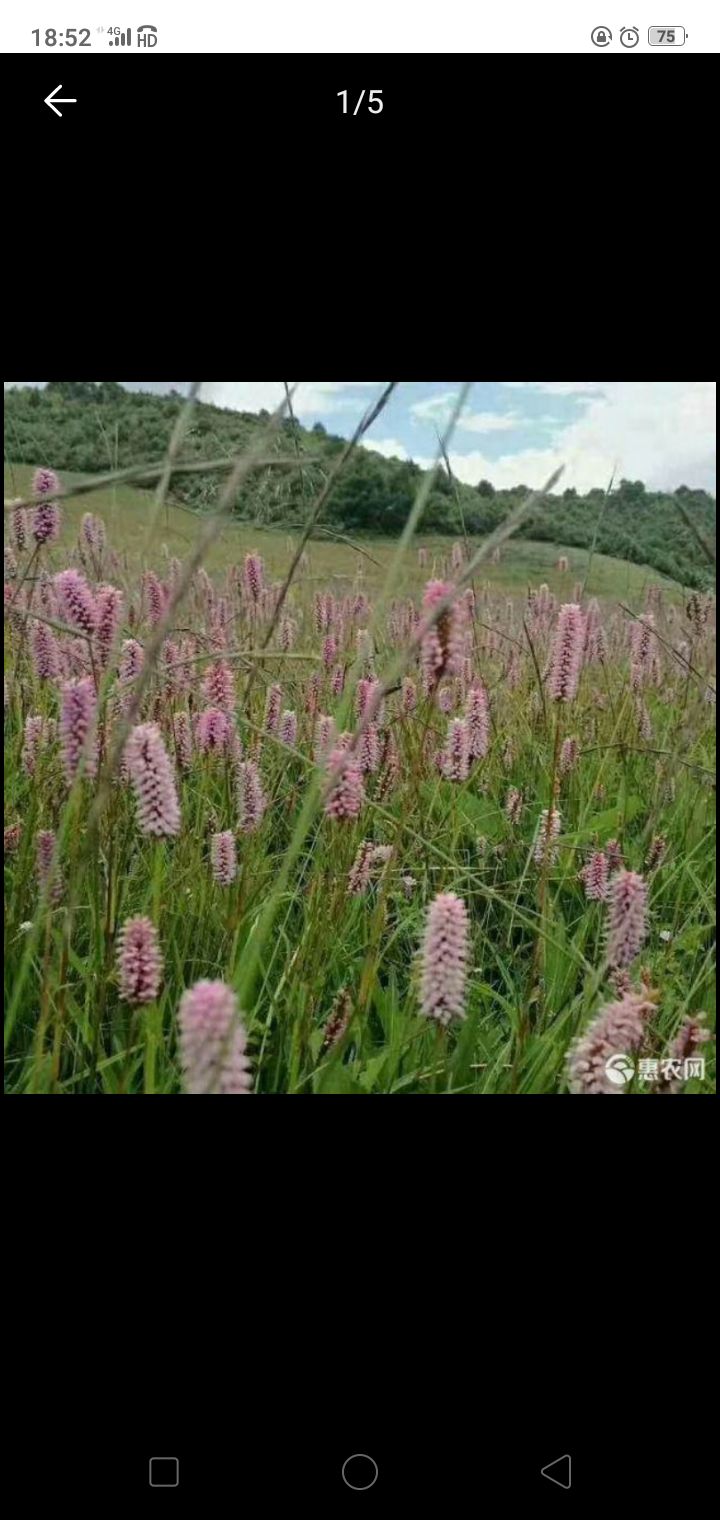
{"x":146,"y":36}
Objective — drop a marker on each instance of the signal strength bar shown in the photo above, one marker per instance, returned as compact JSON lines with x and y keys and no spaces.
{"x":124,"y":39}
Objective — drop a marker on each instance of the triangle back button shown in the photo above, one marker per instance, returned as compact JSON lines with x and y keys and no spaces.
{"x":558,"y":1471}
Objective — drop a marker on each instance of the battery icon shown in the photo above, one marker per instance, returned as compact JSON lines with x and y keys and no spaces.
{"x":666,"y":36}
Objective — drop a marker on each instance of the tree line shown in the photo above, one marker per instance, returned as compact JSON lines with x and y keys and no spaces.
{"x":84,"y":427}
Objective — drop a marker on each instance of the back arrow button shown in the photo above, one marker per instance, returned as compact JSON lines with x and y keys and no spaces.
{"x":62,"y":100}
{"x":558,"y":1471}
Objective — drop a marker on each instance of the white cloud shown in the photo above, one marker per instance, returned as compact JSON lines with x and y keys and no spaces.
{"x":530,"y":467}
{"x":438,"y":409}
{"x":492,"y":422}
{"x":310,"y":398}
{"x":435,"y":408}
{"x":662,"y":432}
{"x":557,"y":387}
{"x":391,"y":448}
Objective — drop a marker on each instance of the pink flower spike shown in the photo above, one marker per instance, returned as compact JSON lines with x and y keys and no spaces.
{"x":346,"y":793}
{"x":441,"y":641}
{"x":218,"y":686}
{"x":273,"y":703}
{"x":213,"y":1041}
{"x":182,"y":731}
{"x":93,"y":531}
{"x":288,"y":728}
{"x":325,"y":735}
{"x":409,"y":696}
{"x":363,"y":693}
{"x":568,"y":755}
{"x":288,"y":629}
{"x":614,"y":855}
{"x":513,"y":805}
{"x":153,"y":781}
{"x":253,"y":577}
{"x":78,"y":708}
{"x":251,"y":798}
{"x":131,"y":660}
{"x":455,"y":759}
{"x":76,"y":601}
{"x":444,"y":959}
{"x":46,"y":523}
{"x":690,"y":1036}
{"x":45,"y":845}
{"x":12,"y":837}
{"x":595,"y":877}
{"x":567,"y":653}
{"x":108,"y":604}
{"x":478,"y":721}
{"x":641,"y":650}
{"x":619,"y":1027}
{"x":45,"y":483}
{"x":359,"y":874}
{"x":20,"y":527}
{"x":338,"y":1019}
{"x":628,"y":918}
{"x":656,"y":853}
{"x":140,"y":963}
{"x":33,"y":736}
{"x":223,"y":857}
{"x":369,"y":750}
{"x":212,"y":731}
{"x":546,"y":834}
{"x":155,"y":594}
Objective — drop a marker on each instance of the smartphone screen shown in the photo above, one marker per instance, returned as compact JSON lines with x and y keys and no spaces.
{"x":359,"y":743}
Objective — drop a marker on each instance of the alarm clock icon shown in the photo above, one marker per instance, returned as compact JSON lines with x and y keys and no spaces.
{"x":629,"y":36}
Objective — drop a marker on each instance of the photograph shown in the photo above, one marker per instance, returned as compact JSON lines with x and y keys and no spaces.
{"x":359,"y":738}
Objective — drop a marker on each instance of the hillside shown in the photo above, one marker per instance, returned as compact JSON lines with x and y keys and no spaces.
{"x":127,"y":512}
{"x":84,"y":428}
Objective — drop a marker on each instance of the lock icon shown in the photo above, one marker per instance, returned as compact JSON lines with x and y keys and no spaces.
{"x":601,"y":36}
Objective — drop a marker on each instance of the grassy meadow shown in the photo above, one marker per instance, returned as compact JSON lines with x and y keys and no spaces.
{"x":329,"y":981}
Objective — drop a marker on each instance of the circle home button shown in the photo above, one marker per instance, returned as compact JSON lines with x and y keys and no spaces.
{"x":360,"y":1471}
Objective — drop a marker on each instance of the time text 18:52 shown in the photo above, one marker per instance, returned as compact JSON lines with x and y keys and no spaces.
{"x":71,"y":37}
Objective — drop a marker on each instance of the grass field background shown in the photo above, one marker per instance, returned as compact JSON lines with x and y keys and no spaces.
{"x":286,"y":936}
{"x":127,"y":512}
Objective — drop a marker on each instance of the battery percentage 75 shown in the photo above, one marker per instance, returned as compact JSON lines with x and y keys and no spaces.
{"x":667,"y":36}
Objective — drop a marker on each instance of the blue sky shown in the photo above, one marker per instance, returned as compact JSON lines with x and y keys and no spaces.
{"x":513,"y":432}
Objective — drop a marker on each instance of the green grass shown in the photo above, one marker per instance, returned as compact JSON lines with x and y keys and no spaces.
{"x":96,"y":427}
{"x":286,"y":935}
{"x":127,"y":511}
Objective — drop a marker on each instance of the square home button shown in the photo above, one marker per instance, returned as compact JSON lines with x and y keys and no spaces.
{"x":164,"y":1472}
